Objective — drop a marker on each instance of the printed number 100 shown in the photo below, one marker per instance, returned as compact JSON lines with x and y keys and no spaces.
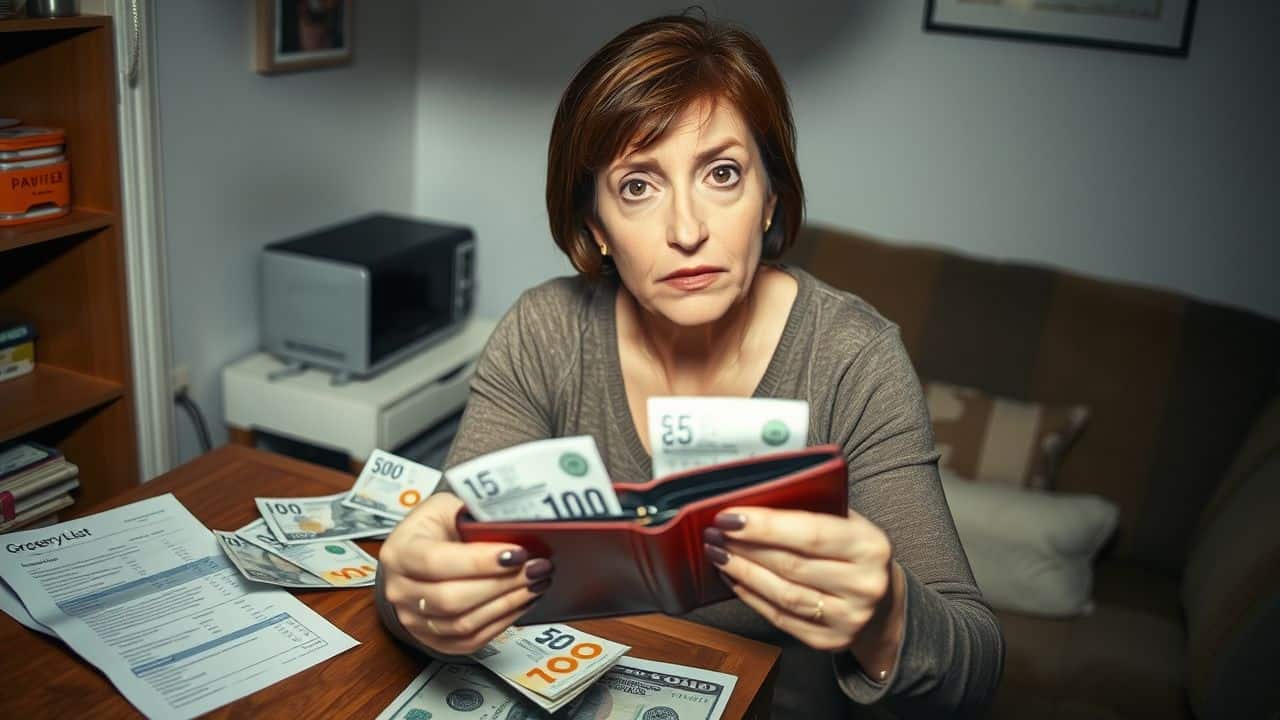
{"x":565,"y":664}
{"x":570,"y":504}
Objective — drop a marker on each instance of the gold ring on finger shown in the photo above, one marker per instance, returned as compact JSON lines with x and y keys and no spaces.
{"x":422,"y":605}
{"x":817,"y":611}
{"x":431,"y":625}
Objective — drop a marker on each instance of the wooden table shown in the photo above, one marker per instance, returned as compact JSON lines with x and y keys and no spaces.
{"x":44,"y":679}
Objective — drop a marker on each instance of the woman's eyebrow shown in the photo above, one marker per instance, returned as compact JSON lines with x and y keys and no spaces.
{"x":648,"y":164}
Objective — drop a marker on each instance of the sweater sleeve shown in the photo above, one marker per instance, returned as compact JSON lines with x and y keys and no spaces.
{"x":952,"y":651}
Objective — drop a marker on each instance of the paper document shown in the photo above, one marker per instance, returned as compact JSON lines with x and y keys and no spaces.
{"x":144,"y":593}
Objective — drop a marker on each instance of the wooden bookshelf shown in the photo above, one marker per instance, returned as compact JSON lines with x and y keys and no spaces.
{"x":79,"y":220}
{"x":67,"y":275}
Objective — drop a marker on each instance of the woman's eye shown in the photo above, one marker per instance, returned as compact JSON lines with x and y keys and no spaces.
{"x":724,"y":175}
{"x":635,"y":188}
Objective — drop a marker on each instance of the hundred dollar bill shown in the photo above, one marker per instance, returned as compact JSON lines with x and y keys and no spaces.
{"x":539,"y":480}
{"x":340,"y":563}
{"x":692,"y":432}
{"x":551,"y":660}
{"x":634,"y":689}
{"x":261,"y":566}
{"x":446,"y":690}
{"x":390,"y":486}
{"x":312,"y":519}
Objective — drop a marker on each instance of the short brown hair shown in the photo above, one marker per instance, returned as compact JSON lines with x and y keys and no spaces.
{"x":631,"y":90}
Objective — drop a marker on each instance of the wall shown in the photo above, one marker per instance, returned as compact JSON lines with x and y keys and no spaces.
{"x":1128,"y":166}
{"x":249,"y":159}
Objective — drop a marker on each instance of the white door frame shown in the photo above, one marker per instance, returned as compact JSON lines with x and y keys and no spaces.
{"x":142,"y":210}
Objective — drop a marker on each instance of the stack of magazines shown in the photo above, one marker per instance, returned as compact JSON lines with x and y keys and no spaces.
{"x":35,"y":483}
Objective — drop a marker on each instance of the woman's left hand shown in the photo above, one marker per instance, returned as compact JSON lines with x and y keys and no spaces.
{"x":829,"y":581}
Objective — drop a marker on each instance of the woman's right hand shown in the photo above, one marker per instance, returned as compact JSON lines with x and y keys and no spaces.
{"x":453,"y":596}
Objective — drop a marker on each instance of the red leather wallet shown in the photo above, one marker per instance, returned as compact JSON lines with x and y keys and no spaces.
{"x":650,"y":559}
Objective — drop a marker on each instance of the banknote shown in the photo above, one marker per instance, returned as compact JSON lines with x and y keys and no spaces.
{"x":691,"y":432}
{"x":261,"y":566}
{"x":312,"y":519}
{"x":551,"y":660}
{"x":558,"y":478}
{"x":340,"y":563}
{"x":390,"y":486}
{"x":633,"y":689}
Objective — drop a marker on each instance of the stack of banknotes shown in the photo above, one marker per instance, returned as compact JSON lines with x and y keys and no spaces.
{"x":306,"y":542}
{"x":565,"y":478}
{"x":550,"y":665}
{"x":631,"y":689}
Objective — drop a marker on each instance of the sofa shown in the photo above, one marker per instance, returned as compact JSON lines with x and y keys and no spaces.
{"x":1183,"y":437}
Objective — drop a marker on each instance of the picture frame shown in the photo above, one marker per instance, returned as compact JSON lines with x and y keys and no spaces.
{"x":1151,"y":26}
{"x":294,"y":35}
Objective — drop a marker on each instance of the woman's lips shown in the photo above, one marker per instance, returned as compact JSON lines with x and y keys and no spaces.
{"x":690,"y":283}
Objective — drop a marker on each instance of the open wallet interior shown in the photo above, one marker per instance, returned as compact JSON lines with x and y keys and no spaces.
{"x":651,"y":559}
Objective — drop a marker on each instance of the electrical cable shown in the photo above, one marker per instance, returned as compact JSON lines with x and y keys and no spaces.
{"x":197,"y":418}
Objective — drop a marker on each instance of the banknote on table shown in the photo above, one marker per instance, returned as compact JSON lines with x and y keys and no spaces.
{"x":551,"y":661}
{"x":559,"y":478}
{"x":312,"y":519}
{"x":632,"y":689}
{"x":390,"y":486}
{"x":692,"y":432}
{"x":340,"y":563}
{"x":261,"y":566}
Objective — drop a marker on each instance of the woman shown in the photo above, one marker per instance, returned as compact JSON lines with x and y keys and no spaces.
{"x":671,"y":176}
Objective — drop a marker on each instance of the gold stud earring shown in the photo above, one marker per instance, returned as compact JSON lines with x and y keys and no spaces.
{"x":768,"y":223}
{"x":604,"y":250}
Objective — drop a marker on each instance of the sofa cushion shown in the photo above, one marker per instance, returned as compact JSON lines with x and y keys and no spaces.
{"x":1123,"y":660}
{"x":992,"y":439}
{"x":1231,"y":589}
{"x":1173,"y":383}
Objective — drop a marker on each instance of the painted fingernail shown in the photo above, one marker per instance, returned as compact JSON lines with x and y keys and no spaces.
{"x":716,"y":554}
{"x":512,"y":558}
{"x":713,"y":536}
{"x":538,"y":568}
{"x":730,"y":521}
{"x":540,"y":586}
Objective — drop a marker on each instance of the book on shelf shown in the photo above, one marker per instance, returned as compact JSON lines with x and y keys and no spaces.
{"x":37,"y":513}
{"x":24,"y":455}
{"x":17,"y":347}
{"x":35,"y":482}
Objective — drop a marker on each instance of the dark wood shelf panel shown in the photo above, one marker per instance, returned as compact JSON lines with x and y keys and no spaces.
{"x":49,"y":394}
{"x":25,"y":24}
{"x":77,"y":221}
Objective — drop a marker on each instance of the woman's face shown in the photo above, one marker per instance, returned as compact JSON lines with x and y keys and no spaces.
{"x":684,"y":218}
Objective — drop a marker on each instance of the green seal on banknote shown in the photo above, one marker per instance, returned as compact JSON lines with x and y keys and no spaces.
{"x":775,"y":432}
{"x":336,"y":549}
{"x":661,"y":713}
{"x":464,"y":699}
{"x":418,"y":714}
{"x":574,"y":464}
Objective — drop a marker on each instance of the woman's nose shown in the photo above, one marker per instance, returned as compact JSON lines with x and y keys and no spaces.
{"x":687,"y":231}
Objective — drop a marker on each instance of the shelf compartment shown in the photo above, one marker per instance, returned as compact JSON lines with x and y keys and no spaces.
{"x":79,"y":220}
{"x":47,"y":395}
{"x":79,"y":22}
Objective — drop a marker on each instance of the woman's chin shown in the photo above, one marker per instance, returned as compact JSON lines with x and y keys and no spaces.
{"x":693,"y":311}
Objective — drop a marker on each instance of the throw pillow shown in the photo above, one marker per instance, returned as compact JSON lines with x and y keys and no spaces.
{"x":1031,"y":551}
{"x":994,"y":439}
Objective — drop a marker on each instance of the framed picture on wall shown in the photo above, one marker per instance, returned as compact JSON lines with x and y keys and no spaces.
{"x":302,"y":34}
{"x":1157,"y":26}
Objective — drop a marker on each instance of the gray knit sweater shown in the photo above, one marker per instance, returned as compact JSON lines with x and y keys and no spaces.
{"x":552,"y":369}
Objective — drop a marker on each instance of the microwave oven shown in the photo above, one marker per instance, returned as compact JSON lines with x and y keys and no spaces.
{"x":357,"y":297}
